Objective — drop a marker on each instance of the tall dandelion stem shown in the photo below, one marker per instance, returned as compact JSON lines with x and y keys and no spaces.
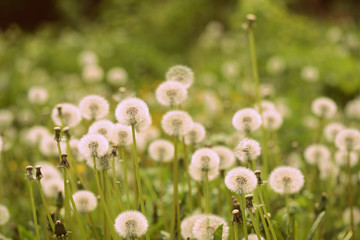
{"x":242,"y":207}
{"x":287,"y":213}
{"x":34,"y":211}
{"x":175,"y":219}
{"x":46,"y":207}
{"x":206,"y":193}
{"x":186,"y":162}
{"x":350,"y":200}
{"x":272,"y":230}
{"x":122,"y":154}
{"x":255,"y":224}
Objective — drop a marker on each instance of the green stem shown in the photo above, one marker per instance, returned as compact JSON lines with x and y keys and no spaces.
{"x":162,"y":204}
{"x":272,"y":230}
{"x":242,"y":207}
{"x":46,"y":207}
{"x":287,"y":213}
{"x":236,"y":230}
{"x":206,"y":193}
{"x":137,"y":174}
{"x":261,"y":213}
{"x":34,"y":211}
{"x":175,"y":219}
{"x":220,"y":203}
{"x":255,"y":224}
{"x":77,"y":215}
{"x":188,"y":179}
{"x":350,"y":200}
{"x":123,"y":157}
{"x":93,"y":226}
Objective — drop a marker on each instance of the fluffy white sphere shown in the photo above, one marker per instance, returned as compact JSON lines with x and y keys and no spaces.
{"x":104,"y":127}
{"x":132,"y":111}
{"x":49,"y":171}
{"x":117,"y":76}
{"x":171,"y":93}
{"x":85,"y":201}
{"x":181,"y":74}
{"x":341,"y":157}
{"x":121,"y":135}
{"x":310,"y":74}
{"x":70,"y":114}
{"x":356,"y":213}
{"x":226,"y":156}
{"x":241,"y":180}
{"x":36,"y":134}
{"x":316,"y":153}
{"x":102,"y":162}
{"x":196,"y":134}
{"x":93,"y":107}
{"x":92,"y":73}
{"x":331,"y":130}
{"x":176,"y":123}
{"x":286,"y":180}
{"x":52,"y":187}
{"x":4,"y":215}
{"x":93,"y":144}
{"x":204,"y":161}
{"x":348,"y":139}
{"x":48,"y":146}
{"x":74,"y":145}
{"x":187,"y":225}
{"x":38,"y":95}
{"x":131,"y":224}
{"x":352,"y":109}
{"x":247,"y":150}
{"x":161,"y":150}
{"x":205,"y":227}
{"x":324,"y":107}
{"x":272,"y":119}
{"x":246,"y":119}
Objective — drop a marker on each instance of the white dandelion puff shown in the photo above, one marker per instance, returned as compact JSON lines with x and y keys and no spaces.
{"x":247,"y":150}
{"x":121,"y":135}
{"x":324,"y":107}
{"x":331,"y":130}
{"x":181,"y":74}
{"x":272,"y":120}
{"x":104,"y":127}
{"x":196,"y":134}
{"x":144,"y":125}
{"x":4,"y":215}
{"x":74,"y":145}
{"x":87,"y":57}
{"x":310,"y":74}
{"x":187,"y":225}
{"x":266,"y":106}
{"x":102,"y":162}
{"x":171,"y":93}
{"x":176,"y":123}
{"x":92,"y":73}
{"x":92,"y":145}
{"x":205,"y":227}
{"x":85,"y":201}
{"x":48,"y":146}
{"x":286,"y":180}
{"x":49,"y":171}
{"x":36,"y":134}
{"x":241,"y":180}
{"x":246,"y":120}
{"x":204,"y":161}
{"x":70,"y":115}
{"x":132,"y":111}
{"x":348,"y":139}
{"x":341,"y":157}
{"x":93,"y":107}
{"x":328,"y":169}
{"x":52,"y":187}
{"x":161,"y":150}
{"x":316,"y":153}
{"x":226,"y":156}
{"x":38,"y":95}
{"x":352,"y":109}
{"x":131,"y":224}
{"x":117,"y":76}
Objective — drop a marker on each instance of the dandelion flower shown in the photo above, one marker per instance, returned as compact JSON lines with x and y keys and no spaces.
{"x":132,"y":111}
{"x":331,"y":130}
{"x":328,"y":169}
{"x":52,"y":187}
{"x":36,"y":134}
{"x":131,"y":224}
{"x":171,"y":93}
{"x":352,"y":109}
{"x":70,"y":114}
{"x":87,"y":57}
{"x":38,"y":95}
{"x":181,"y":74}
{"x":93,"y":144}
{"x":241,"y":180}
{"x":356,"y":213}
{"x":144,"y":125}
{"x":187,"y":225}
{"x":272,"y":120}
{"x":246,"y":120}
{"x":85,"y":201}
{"x":275,"y":65}
{"x":247,"y":150}
{"x":266,"y":106}
{"x":93,"y":107}
{"x":48,"y":171}
{"x":48,"y":146}
{"x":74,"y":145}
{"x":103,"y":127}
{"x":204,"y":161}
{"x":4,"y":215}
{"x":341,"y":158}
{"x":102,"y":162}
{"x":121,"y":135}
{"x":196,"y":134}
{"x":227,"y":157}
{"x":176,"y":123}
{"x":286,"y":180}
{"x":310,"y":74}
{"x":324,"y":107}
{"x":92,"y":73}
{"x":161,"y":150}
{"x":316,"y":153}
{"x":348,"y":139}
{"x":117,"y":76}
{"x":205,"y":227}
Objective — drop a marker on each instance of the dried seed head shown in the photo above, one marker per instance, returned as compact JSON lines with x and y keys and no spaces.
{"x":236,"y":216}
{"x":38,"y":173}
{"x":286,"y":180}
{"x":66,"y":132}
{"x":249,"y":199}
{"x":258,"y":176}
{"x":60,"y":230}
{"x":67,"y":114}
{"x":29,"y":173}
{"x":57,"y":134}
{"x":64,"y":162}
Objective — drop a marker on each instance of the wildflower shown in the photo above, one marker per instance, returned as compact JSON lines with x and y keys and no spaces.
{"x":275,"y":65}
{"x":36,"y":134}
{"x":87,"y":57}
{"x":181,"y":74}
{"x":286,"y":180}
{"x":247,"y":150}
{"x":348,"y":139}
{"x":38,"y":95}
{"x":352,"y":109}
{"x":196,"y":134}
{"x":102,"y":162}
{"x":241,"y":180}
{"x":316,"y":153}
{"x":93,"y":145}
{"x":266,"y":106}
{"x":69,"y":113}
{"x":247,"y":120}
{"x":205,"y":227}
{"x":92,"y":73}
{"x":187,"y":225}
{"x":227,"y":157}
{"x":176,"y":123}
{"x":85,"y":201}
{"x":310,"y":74}
{"x":117,"y":76}
{"x":331,"y":130}
{"x":171,"y":93}
{"x":48,"y":171}
{"x":121,"y":135}
{"x":341,"y":158}
{"x":204,"y":160}
{"x":131,"y":224}
{"x":104,"y":127}
{"x":324,"y":107}
{"x":48,"y":146}
{"x":74,"y":145}
{"x":93,"y":107}
{"x":52,"y":187}
{"x":132,"y":111}
{"x":272,"y":119}
{"x":4,"y":215}
{"x":161,"y":150}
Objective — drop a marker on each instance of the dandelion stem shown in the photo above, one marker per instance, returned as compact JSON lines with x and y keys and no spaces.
{"x":206,"y":193}
{"x":123,"y":157}
{"x":287,"y":213}
{"x":46,"y":206}
{"x":175,"y":220}
{"x":236,"y":230}
{"x":242,"y":207}
{"x":272,"y":230}
{"x":255,"y":224}
{"x":350,"y":200}
{"x":219,"y":196}
{"x":186,"y":162}
{"x":34,"y":211}
{"x":162,"y":204}
{"x":261,"y":213}
{"x":93,"y":226}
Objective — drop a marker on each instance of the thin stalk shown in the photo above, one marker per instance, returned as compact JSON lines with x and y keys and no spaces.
{"x":77,"y":215}
{"x":123,"y":157}
{"x":350,"y":200}
{"x":93,"y":226}
{"x":242,"y":207}
{"x":73,"y":170}
{"x":188,"y":179}
{"x":287,"y":213}
{"x":272,"y":230}
{"x":104,"y":188}
{"x":236,"y":230}
{"x":255,"y":225}
{"x":46,"y":207}
{"x":137,"y":174}
{"x":175,"y":219}
{"x":162,"y":204}
{"x":220,"y":203}
{"x":34,"y":211}
{"x":261,"y":214}
{"x":206,"y":193}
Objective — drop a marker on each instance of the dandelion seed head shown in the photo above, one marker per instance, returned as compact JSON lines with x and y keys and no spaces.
{"x":38,"y":95}
{"x":161,"y":150}
{"x":85,"y":201}
{"x":341,"y":158}
{"x":93,"y":107}
{"x":286,"y":180}
{"x":93,"y":144}
{"x":352,"y":109}
{"x":187,"y":225}
{"x":4,"y":215}
{"x":331,"y":130}
{"x":205,"y":159}
{"x":87,"y":57}
{"x":247,"y":150}
{"x":266,"y":106}
{"x":131,"y":224}
{"x":348,"y":139}
{"x":226,"y":156}
{"x":103,"y":127}
{"x":36,"y":134}
{"x":74,"y":145}
{"x":246,"y":119}
{"x":132,"y":111}
{"x":171,"y":93}
{"x":316,"y":153}
{"x":196,"y":134}
{"x":117,"y":76}
{"x":121,"y":135}
{"x":241,"y":180}
{"x":102,"y":162}
{"x":48,"y":171}
{"x":70,"y":115}
{"x":328,"y":169}
{"x":181,"y":74}
{"x":144,"y":125}
{"x":52,"y":187}
{"x":324,"y":107}
{"x":310,"y":74}
{"x":92,"y":73}
{"x":176,"y":123}
{"x":205,"y":227}
{"x":356,"y":213}
{"x":48,"y":146}
{"x":272,"y":120}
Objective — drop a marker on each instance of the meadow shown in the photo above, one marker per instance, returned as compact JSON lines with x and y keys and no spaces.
{"x":245,"y":128}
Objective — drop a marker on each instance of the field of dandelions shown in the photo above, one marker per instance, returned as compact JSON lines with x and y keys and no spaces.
{"x":255,"y":137}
